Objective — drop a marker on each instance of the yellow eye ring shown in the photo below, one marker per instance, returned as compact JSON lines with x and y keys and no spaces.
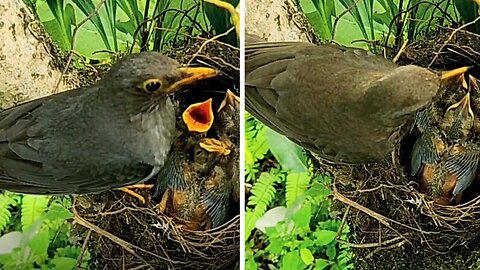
{"x":151,"y":85}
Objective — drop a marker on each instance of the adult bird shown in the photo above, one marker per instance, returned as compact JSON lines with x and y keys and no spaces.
{"x":344,"y":104}
{"x":108,"y":135}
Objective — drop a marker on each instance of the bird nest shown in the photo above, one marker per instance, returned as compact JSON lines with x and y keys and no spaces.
{"x":383,"y":202}
{"x":122,"y":233}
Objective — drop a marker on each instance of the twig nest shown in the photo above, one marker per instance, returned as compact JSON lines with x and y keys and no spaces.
{"x":387,"y":205}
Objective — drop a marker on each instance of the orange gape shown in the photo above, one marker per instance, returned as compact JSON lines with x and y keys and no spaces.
{"x":199,"y":116}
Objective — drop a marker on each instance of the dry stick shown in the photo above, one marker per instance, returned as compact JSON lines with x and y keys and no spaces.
{"x":344,"y":219}
{"x":380,"y":218}
{"x":337,"y":19}
{"x":400,"y":52}
{"x":399,"y":244}
{"x":84,"y":248}
{"x":124,"y":244}
{"x":208,"y":41}
{"x":463,"y":55}
{"x":197,"y":37}
{"x":74,"y":34}
{"x":450,"y":38}
{"x":395,"y":242}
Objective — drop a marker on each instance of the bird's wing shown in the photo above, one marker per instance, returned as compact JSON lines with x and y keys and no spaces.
{"x":25,"y":168}
{"x":312,"y":93}
{"x":464,"y":166}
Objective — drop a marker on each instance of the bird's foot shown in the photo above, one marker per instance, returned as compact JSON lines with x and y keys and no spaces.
{"x":128,"y":190}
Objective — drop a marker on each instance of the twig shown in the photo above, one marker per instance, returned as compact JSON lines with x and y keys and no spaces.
{"x":399,"y":53}
{"x":372,"y":245}
{"x":208,"y":41}
{"x":84,"y":248}
{"x":450,"y":38}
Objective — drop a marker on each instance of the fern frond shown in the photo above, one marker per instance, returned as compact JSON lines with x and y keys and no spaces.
{"x":6,"y":200}
{"x":256,"y":142}
{"x":33,"y":207}
{"x":296,"y":185}
{"x":263,"y":193}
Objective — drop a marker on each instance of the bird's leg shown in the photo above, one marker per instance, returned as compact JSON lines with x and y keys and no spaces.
{"x":128,"y":190}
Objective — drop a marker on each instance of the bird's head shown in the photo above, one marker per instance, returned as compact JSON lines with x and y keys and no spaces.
{"x":395,"y":98}
{"x":150,"y":76}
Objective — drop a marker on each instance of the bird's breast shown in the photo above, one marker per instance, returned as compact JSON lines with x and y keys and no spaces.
{"x":155,"y":129}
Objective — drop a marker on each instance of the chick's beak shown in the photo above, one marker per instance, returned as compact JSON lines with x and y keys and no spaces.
{"x":191,"y":75}
{"x":199,"y":116}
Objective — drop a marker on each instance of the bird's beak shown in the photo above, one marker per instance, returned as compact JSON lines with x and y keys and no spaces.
{"x":473,"y":86}
{"x":464,"y":105}
{"x":230,"y":100}
{"x":191,"y":75}
{"x":215,"y":146}
{"x":447,"y":76}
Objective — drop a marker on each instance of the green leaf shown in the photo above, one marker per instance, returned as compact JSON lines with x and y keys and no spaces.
{"x":6,"y":200}
{"x":354,"y":10}
{"x":302,"y":216}
{"x":87,"y":7}
{"x":292,"y":260}
{"x":220,"y":20}
{"x":316,"y":19}
{"x":39,"y":246}
{"x":469,"y":12}
{"x":64,"y":263}
{"x":307,"y":256}
{"x":324,"y":237}
{"x":263,"y":193}
{"x":275,"y":247}
{"x":33,"y":208}
{"x":57,"y":212}
{"x":288,"y":154}
{"x":321,"y":264}
{"x":296,"y":186}
{"x":331,"y":251}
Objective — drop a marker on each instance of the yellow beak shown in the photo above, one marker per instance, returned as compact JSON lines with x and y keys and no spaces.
{"x":191,"y":75}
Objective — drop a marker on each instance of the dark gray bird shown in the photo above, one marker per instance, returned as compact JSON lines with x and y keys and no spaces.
{"x":112,"y":134}
{"x":344,"y":104}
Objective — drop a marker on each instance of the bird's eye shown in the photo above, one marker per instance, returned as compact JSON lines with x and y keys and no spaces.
{"x":152,"y":85}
